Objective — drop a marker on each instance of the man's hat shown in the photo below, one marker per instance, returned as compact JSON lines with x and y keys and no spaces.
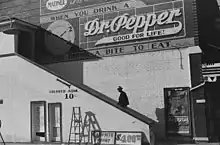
{"x":120,"y":88}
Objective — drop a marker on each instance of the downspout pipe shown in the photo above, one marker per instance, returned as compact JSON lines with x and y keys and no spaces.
{"x":198,"y":86}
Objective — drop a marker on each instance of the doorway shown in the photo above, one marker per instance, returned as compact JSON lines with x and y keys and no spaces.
{"x":38,"y":121}
{"x":55,"y":122}
{"x":212,"y":93}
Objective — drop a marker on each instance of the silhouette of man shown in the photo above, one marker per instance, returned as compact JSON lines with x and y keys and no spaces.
{"x":123,"y":98}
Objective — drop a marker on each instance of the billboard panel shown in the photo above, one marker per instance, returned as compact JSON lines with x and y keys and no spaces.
{"x":124,"y":27}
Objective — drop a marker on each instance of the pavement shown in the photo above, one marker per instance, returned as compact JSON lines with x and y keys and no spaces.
{"x":172,"y":143}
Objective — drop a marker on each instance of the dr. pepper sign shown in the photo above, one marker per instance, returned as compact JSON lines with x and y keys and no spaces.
{"x":141,"y":26}
{"x":148,"y":23}
{"x":122,"y":28}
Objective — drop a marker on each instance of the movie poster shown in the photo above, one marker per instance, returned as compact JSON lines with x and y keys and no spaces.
{"x":177,"y":111}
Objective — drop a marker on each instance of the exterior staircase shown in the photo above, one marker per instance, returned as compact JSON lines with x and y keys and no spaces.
{"x":99,"y":95}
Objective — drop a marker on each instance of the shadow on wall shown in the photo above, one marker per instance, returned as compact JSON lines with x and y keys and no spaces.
{"x":158,"y":129}
{"x":71,"y":71}
{"x":145,"y":141}
{"x":51,"y":49}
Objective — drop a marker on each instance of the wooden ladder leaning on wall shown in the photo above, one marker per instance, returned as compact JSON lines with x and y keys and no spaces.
{"x":1,"y":133}
{"x":75,"y":126}
{"x":81,"y":132}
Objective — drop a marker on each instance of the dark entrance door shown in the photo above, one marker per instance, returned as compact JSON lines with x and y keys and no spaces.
{"x":212,"y":93}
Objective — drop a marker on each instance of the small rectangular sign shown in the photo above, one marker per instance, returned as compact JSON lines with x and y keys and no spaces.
{"x":200,"y":101}
{"x":128,"y":138}
{"x":106,"y":137}
{"x":116,"y":138}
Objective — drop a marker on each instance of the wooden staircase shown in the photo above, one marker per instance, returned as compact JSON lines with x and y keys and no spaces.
{"x":98,"y":95}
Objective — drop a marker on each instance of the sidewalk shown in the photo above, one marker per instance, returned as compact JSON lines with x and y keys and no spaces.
{"x":201,"y":143}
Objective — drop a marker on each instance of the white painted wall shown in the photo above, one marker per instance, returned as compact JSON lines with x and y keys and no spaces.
{"x":6,"y":44}
{"x":143,"y":77}
{"x":22,"y":82}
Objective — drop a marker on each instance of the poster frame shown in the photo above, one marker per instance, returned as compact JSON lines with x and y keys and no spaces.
{"x":166,"y":112}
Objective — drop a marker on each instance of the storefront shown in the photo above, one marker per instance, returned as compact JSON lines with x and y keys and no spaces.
{"x":148,"y":48}
{"x":142,"y":46}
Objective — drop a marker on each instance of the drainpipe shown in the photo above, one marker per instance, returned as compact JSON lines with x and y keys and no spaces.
{"x":198,"y":86}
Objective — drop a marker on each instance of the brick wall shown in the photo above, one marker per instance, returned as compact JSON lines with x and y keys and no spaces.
{"x":28,"y":10}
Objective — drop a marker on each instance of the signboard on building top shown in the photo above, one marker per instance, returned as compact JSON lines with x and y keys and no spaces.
{"x":54,"y":5}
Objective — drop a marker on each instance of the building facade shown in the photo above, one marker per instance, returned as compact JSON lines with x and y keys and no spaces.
{"x":59,"y":80}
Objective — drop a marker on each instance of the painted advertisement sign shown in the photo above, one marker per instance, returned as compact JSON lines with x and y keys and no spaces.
{"x":120,"y":28}
{"x":53,"y":6}
{"x":89,"y":11}
{"x":71,"y":55}
{"x":177,"y":106}
{"x":126,"y":138}
{"x":130,"y":25}
{"x":116,"y":138}
{"x":136,"y":24}
{"x":103,"y":137}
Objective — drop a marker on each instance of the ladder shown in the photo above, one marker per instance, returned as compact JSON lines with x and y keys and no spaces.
{"x":2,"y":138}
{"x":75,"y":126}
{"x":90,"y":124}
{"x":1,"y":133}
